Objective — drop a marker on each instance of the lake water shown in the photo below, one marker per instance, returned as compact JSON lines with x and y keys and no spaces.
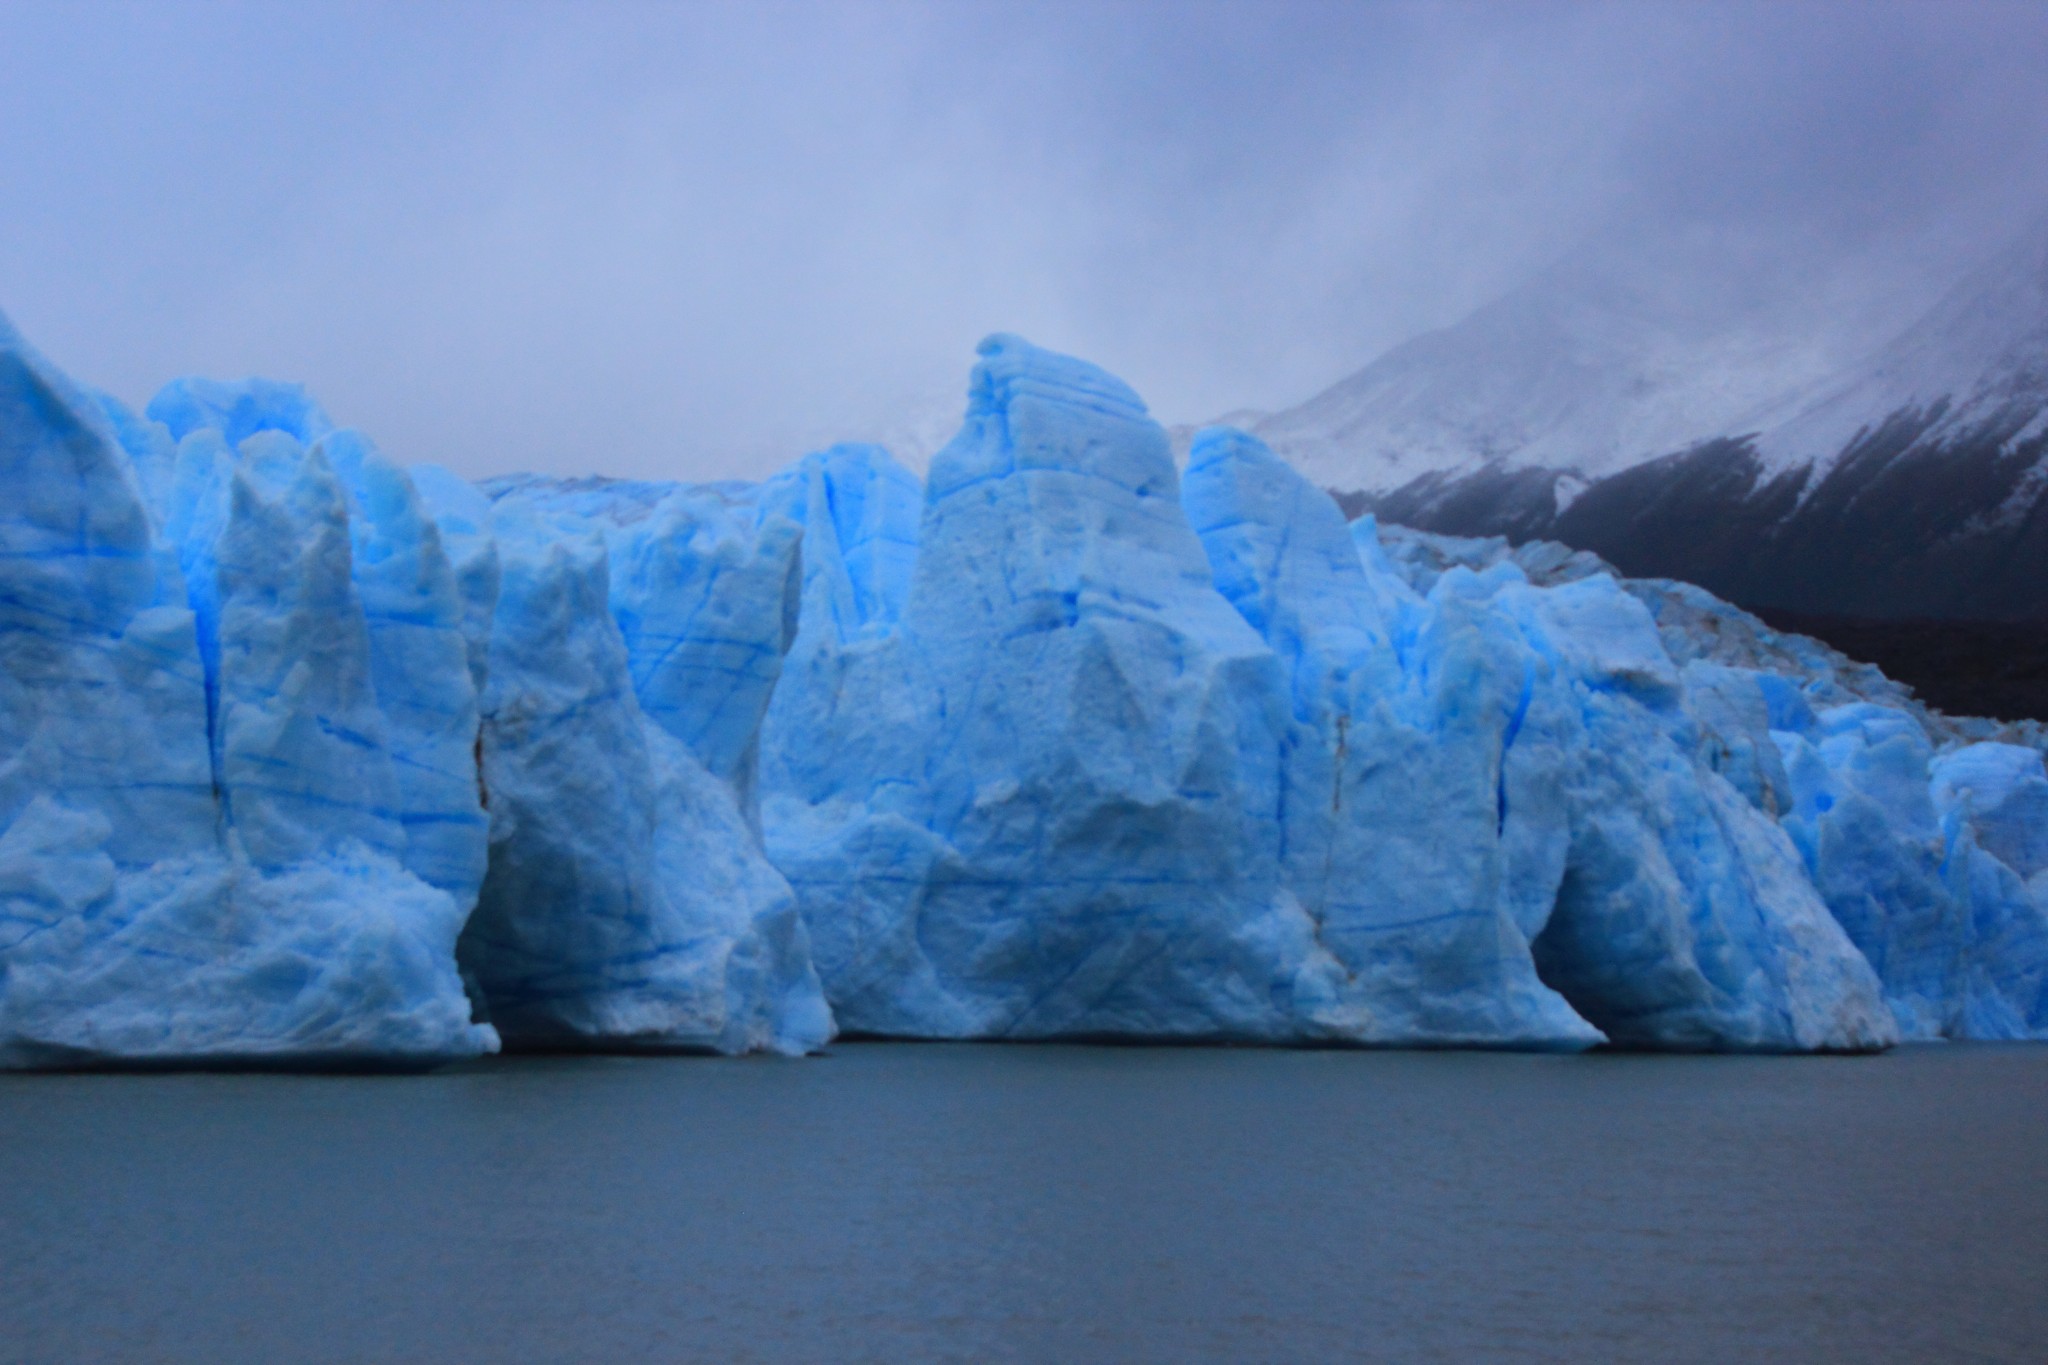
{"x":895,"y":1202}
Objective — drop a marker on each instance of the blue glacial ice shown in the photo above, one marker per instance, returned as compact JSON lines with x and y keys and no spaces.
{"x":252,"y":730}
{"x":1883,"y":797}
{"x":1503,"y":795}
{"x":1123,"y":767}
{"x":637,"y":634}
{"x":202,"y":854}
{"x":1041,"y":801}
{"x":1926,"y":860}
{"x":307,"y":756}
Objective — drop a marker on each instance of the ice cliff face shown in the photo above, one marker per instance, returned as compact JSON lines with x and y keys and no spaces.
{"x":259,"y":693}
{"x":1056,"y":812}
{"x":305,"y":756}
{"x":1145,"y":761}
{"x":206,"y":848}
{"x":1883,"y":798}
{"x":1537,"y":739}
{"x":637,"y":635}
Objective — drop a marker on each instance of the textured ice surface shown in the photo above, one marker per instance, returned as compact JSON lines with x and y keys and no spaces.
{"x":703,"y":583}
{"x":462,"y":515}
{"x":238,"y":410}
{"x":628,"y":899}
{"x":1129,"y":768}
{"x":1399,"y":839}
{"x":197,"y":859}
{"x":419,"y":666}
{"x":1854,"y":768}
{"x":1041,"y":803}
{"x":860,"y":511}
{"x":306,"y":756}
{"x":1924,"y":858}
{"x":1508,"y":766}
{"x":1993,"y":804}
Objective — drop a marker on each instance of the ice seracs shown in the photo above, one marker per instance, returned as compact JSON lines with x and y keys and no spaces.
{"x":252,"y":727}
{"x":199,"y":859}
{"x":1926,"y":862}
{"x":414,"y":617}
{"x":1041,"y":802}
{"x":1394,"y":817}
{"x":1512,"y":811}
{"x":1078,"y":790}
{"x":309,"y":758}
{"x":1860,"y":775}
{"x":628,"y":901}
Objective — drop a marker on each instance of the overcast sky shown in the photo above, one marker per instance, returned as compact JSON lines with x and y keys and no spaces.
{"x":693,"y":241}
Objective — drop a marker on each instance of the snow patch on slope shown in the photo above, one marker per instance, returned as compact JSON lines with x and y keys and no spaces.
{"x":1982,"y":352}
{"x":1583,"y":370}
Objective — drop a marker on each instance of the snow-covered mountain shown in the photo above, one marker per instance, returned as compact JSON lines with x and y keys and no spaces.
{"x":1979,"y":360}
{"x":1587,"y":369}
{"x":1909,"y":483}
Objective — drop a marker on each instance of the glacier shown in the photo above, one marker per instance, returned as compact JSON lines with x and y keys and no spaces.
{"x":308,"y":757}
{"x":205,"y":850}
{"x":636,"y":637}
{"x":1141,"y":761}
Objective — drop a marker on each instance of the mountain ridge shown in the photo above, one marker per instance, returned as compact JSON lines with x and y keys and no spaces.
{"x":1909,"y":484}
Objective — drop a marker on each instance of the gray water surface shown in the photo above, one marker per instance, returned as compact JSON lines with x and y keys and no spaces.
{"x":895,"y":1202}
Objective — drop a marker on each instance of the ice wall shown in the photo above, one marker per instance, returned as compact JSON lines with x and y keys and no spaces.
{"x":1501,"y":802}
{"x":1931,"y":862}
{"x":1130,"y":768}
{"x":262,"y":688}
{"x":637,"y":634}
{"x":1852,"y":767}
{"x":1042,"y":801}
{"x":307,"y":757}
{"x":1399,"y":838}
{"x":201,"y":855}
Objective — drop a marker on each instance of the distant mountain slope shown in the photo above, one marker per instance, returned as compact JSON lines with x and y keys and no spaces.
{"x":1911,"y":485}
{"x":1589,"y":369}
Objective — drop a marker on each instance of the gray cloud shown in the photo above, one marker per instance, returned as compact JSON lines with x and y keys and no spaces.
{"x":692,"y":241}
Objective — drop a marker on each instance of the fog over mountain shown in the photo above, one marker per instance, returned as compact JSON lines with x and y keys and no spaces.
{"x":754,"y":230}
{"x":1596,"y":364}
{"x":1908,"y":482}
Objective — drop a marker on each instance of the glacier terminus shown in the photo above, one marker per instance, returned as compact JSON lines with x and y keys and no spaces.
{"x":309,"y":758}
